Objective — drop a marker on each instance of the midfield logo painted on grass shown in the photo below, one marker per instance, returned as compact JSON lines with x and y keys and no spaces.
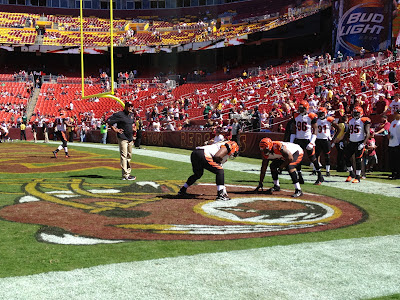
{"x":76,"y":212}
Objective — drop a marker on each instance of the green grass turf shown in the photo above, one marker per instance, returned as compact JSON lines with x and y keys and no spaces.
{"x":22,"y":254}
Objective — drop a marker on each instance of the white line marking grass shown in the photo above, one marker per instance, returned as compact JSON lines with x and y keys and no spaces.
{"x":343,"y":269}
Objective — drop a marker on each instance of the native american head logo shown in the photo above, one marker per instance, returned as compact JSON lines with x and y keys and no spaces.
{"x":73,"y":211}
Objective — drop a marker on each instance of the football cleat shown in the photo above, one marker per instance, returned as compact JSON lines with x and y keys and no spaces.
{"x":55,"y":154}
{"x":67,"y":156}
{"x":297,"y":193}
{"x":328,"y":174}
{"x":129,"y":178}
{"x":356,"y":180}
{"x":275,"y":188}
{"x":222,"y":196}
{"x":349,"y":179}
{"x":182,"y":192}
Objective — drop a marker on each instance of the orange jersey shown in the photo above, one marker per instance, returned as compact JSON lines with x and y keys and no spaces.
{"x":277,"y":150}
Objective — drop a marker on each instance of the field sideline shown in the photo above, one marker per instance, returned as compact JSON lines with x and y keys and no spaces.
{"x":332,"y":268}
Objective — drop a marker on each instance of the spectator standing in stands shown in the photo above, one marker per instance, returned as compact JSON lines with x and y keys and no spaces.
{"x":256,"y":120}
{"x":362,"y":52}
{"x":123,"y":123}
{"x":383,"y":127}
{"x":22,"y":127}
{"x":381,"y":106}
{"x":392,"y":77}
{"x":394,"y":146}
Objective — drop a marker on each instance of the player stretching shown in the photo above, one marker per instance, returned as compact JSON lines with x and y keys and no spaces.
{"x":322,"y":143}
{"x":284,"y":156}
{"x":211,"y":158}
{"x":61,"y":124}
{"x":304,"y":136}
{"x":358,"y":134}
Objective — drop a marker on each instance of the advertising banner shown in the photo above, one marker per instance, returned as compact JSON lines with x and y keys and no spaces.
{"x":361,"y":23}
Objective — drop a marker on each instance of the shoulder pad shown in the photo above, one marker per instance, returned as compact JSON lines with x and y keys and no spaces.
{"x":296,"y":115}
{"x":330,"y":119}
{"x":312,"y":116}
{"x":366,"y":120}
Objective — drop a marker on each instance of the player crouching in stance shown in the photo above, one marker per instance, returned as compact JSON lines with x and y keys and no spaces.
{"x":284,"y":156}
{"x":358,"y":133}
{"x":211,"y":158}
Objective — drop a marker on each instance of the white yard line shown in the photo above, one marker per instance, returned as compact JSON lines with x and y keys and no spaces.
{"x":342,"y":269}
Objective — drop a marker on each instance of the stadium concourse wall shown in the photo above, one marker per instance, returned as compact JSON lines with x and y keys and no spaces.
{"x":191,"y":139}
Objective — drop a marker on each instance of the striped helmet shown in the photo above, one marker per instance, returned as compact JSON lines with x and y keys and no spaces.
{"x":233,"y":148}
{"x":266,"y":143}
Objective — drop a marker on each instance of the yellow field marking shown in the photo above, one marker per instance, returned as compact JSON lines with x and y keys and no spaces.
{"x":337,"y":213}
{"x":157,"y":228}
{"x":31,"y":189}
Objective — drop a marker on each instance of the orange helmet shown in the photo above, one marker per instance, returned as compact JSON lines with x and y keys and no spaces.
{"x":266,"y":143}
{"x":322,"y":113}
{"x":233,"y":148}
{"x":357,"y":112}
{"x":303,"y":107}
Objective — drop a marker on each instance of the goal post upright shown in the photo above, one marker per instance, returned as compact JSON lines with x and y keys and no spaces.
{"x":109,"y":94}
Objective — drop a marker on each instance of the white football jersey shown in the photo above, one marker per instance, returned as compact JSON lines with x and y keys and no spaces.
{"x":211,"y":150}
{"x":303,"y":125}
{"x":324,"y":128}
{"x":356,"y":128}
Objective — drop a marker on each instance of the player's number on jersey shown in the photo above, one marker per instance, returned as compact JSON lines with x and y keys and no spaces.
{"x":301,"y":126}
{"x":354,"y":128}
{"x":321,"y":128}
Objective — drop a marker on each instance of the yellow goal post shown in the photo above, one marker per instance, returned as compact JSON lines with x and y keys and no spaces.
{"x":109,"y":94}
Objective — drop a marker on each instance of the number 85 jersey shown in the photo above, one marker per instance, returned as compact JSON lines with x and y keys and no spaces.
{"x":356,"y":129}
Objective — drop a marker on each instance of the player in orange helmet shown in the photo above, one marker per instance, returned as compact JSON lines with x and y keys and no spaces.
{"x":211,"y":157}
{"x":284,"y":156}
{"x":358,"y":134}
{"x":304,"y":135}
{"x":322,"y":143}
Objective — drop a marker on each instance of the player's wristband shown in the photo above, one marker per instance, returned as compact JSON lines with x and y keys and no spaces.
{"x":313,"y":138}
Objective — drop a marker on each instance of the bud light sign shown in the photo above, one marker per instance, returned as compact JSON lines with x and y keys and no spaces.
{"x":361,"y":23}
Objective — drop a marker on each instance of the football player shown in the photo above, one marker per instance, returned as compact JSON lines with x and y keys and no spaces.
{"x":304,"y":135}
{"x":284,"y":156}
{"x":211,"y":157}
{"x":322,"y":143}
{"x":358,"y":134}
{"x":60,"y":128}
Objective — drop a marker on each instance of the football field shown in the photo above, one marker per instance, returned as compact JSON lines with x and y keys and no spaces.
{"x":71,"y":229}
